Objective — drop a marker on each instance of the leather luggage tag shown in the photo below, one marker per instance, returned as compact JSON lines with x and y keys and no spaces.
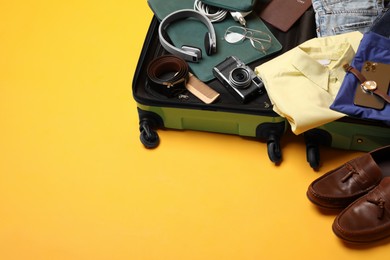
{"x":282,"y":14}
{"x":380,"y":74}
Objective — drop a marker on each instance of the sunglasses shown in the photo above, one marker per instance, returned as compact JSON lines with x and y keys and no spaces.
{"x":261,"y":41}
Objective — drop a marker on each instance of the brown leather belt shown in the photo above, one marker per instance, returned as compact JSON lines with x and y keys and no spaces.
{"x":160,"y":77}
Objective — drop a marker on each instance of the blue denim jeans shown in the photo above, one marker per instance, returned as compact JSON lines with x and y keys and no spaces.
{"x":341,"y":16}
{"x":382,"y":23}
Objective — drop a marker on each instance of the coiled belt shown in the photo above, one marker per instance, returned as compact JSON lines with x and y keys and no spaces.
{"x":160,"y":71}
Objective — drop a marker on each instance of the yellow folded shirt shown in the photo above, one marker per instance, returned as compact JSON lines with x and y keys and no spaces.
{"x":303,"y":82}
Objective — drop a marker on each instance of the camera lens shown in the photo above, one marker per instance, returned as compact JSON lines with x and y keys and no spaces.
{"x":240,"y":77}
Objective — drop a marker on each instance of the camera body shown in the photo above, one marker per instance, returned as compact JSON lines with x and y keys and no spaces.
{"x":239,"y":79}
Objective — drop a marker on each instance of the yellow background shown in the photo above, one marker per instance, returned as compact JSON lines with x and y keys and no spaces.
{"x":76,"y":183}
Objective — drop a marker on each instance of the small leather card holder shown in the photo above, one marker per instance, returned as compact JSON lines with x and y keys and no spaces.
{"x":282,"y":14}
{"x":380,"y":73}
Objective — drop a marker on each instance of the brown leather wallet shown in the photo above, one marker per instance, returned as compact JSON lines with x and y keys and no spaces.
{"x":282,"y":14}
{"x":168,"y":75}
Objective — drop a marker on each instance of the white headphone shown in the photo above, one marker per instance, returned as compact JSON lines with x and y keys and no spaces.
{"x":188,"y":53}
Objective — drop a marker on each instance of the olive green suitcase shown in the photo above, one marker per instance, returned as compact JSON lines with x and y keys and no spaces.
{"x":253,"y":119}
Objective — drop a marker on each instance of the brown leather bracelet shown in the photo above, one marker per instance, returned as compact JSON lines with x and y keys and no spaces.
{"x":168,"y":75}
{"x":370,"y":86}
{"x":358,"y":75}
{"x":382,"y":95}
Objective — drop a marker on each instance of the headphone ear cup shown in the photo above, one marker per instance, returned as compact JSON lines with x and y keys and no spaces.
{"x":194,"y":51}
{"x":208,"y":44}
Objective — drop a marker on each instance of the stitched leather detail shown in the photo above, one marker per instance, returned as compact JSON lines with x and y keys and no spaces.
{"x":351,"y":172}
{"x":381,"y":206}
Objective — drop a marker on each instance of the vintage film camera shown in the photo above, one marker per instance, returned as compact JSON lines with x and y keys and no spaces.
{"x":239,"y":79}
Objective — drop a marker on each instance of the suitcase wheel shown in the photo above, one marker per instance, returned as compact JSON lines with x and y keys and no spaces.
{"x":313,"y":156}
{"x":148,"y":122}
{"x":314,"y":138}
{"x":149,"y":137}
{"x":274,"y":150}
{"x":271,"y":132}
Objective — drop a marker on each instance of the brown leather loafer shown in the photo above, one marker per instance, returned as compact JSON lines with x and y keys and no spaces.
{"x":338,"y":188}
{"x":368,"y":218}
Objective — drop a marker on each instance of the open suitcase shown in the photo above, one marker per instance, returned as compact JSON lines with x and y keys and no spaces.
{"x":253,"y":119}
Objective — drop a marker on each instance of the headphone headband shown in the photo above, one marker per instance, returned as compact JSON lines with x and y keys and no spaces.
{"x":183,"y":14}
